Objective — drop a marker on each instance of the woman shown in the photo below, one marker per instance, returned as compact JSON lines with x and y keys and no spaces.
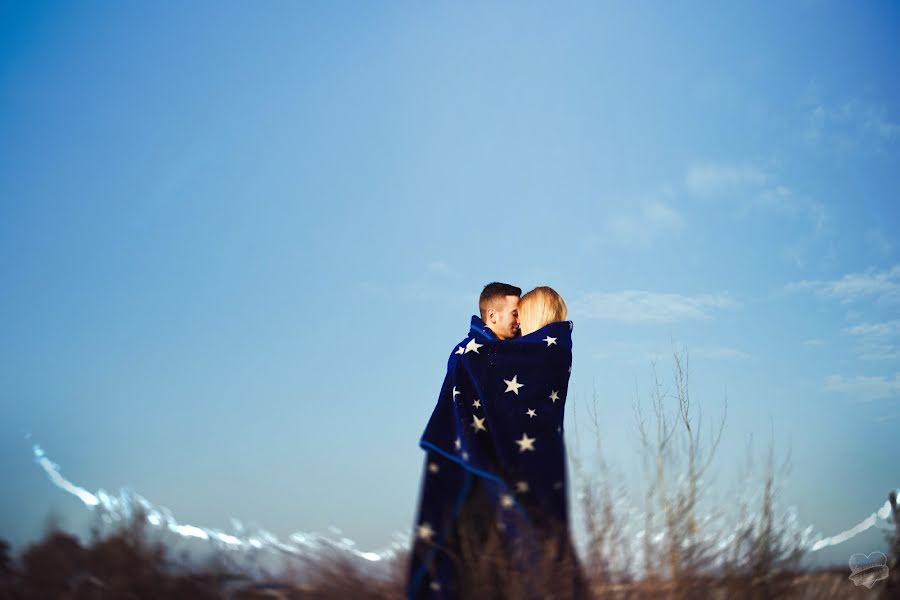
{"x":493,"y":512}
{"x":539,"y":307}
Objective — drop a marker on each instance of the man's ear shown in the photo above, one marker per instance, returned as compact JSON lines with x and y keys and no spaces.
{"x":490,"y":315}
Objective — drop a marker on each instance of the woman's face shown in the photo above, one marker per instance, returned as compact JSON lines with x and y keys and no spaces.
{"x":527,"y":322}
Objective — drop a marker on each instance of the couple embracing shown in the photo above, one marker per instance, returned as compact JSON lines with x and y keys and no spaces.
{"x":492,"y":520}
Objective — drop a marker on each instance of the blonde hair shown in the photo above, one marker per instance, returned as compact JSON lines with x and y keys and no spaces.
{"x":541,"y":306}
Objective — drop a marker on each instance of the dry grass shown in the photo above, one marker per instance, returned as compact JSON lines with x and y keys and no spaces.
{"x":55,"y":568}
{"x":751,"y":552}
{"x":680,"y":555}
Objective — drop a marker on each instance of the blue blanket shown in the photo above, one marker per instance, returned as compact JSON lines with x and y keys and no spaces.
{"x":494,"y":451}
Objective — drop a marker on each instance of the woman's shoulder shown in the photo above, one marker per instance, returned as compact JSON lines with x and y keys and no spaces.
{"x":558,"y":329}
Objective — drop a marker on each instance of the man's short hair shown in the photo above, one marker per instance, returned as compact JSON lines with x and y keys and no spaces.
{"x":493,"y":292}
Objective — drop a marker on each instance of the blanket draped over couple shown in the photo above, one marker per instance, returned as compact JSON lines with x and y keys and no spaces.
{"x":495,"y":464}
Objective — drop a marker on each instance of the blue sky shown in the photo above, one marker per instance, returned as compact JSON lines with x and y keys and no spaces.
{"x":238,"y":241}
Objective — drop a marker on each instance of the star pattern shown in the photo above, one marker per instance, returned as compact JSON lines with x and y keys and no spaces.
{"x":454,"y":424}
{"x":513,"y":385}
{"x":526,"y":443}
{"x":425,"y":532}
{"x":473,"y":346}
{"x":478,"y":424}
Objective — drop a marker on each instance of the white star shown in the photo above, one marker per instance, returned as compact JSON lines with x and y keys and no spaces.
{"x":457,"y":443}
{"x":526,"y":443}
{"x":477,"y":403}
{"x":506,"y":501}
{"x":425,"y":532}
{"x":513,"y":385}
{"x":465,"y":455}
{"x":554,"y":395}
{"x":531,"y":413}
{"x":522,"y":486}
{"x":455,"y":392}
{"x":550,"y":341}
{"x":433,"y":468}
{"x":460,"y":350}
{"x":478,"y":424}
{"x":473,"y":346}
{"x":435,"y":586}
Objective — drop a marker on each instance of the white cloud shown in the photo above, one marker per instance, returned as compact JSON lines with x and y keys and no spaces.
{"x":438,"y":266}
{"x":629,"y":354}
{"x":749,"y":188}
{"x":636,"y":306}
{"x":878,"y":284}
{"x":813,"y":343}
{"x":876,"y":340}
{"x":871,"y":341}
{"x":887,"y":328}
{"x":878,"y":351}
{"x":850,"y":125}
{"x":863,"y":387}
{"x":719,"y":353}
{"x":876,"y":121}
{"x":782,"y":199}
{"x":882,"y":286}
{"x":712,"y":178}
{"x":642,"y":227}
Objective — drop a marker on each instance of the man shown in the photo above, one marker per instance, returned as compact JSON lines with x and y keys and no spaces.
{"x":499,"y":306}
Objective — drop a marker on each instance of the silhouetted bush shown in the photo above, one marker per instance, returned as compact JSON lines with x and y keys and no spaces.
{"x":51,"y":566}
{"x":122,"y":564}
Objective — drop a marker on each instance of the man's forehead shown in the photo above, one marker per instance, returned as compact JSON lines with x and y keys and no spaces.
{"x":510,"y":302}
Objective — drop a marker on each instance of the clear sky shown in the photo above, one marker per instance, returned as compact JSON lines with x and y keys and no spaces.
{"x":239,"y":240}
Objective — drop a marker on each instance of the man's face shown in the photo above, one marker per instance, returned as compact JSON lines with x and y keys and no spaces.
{"x":504,"y":318}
